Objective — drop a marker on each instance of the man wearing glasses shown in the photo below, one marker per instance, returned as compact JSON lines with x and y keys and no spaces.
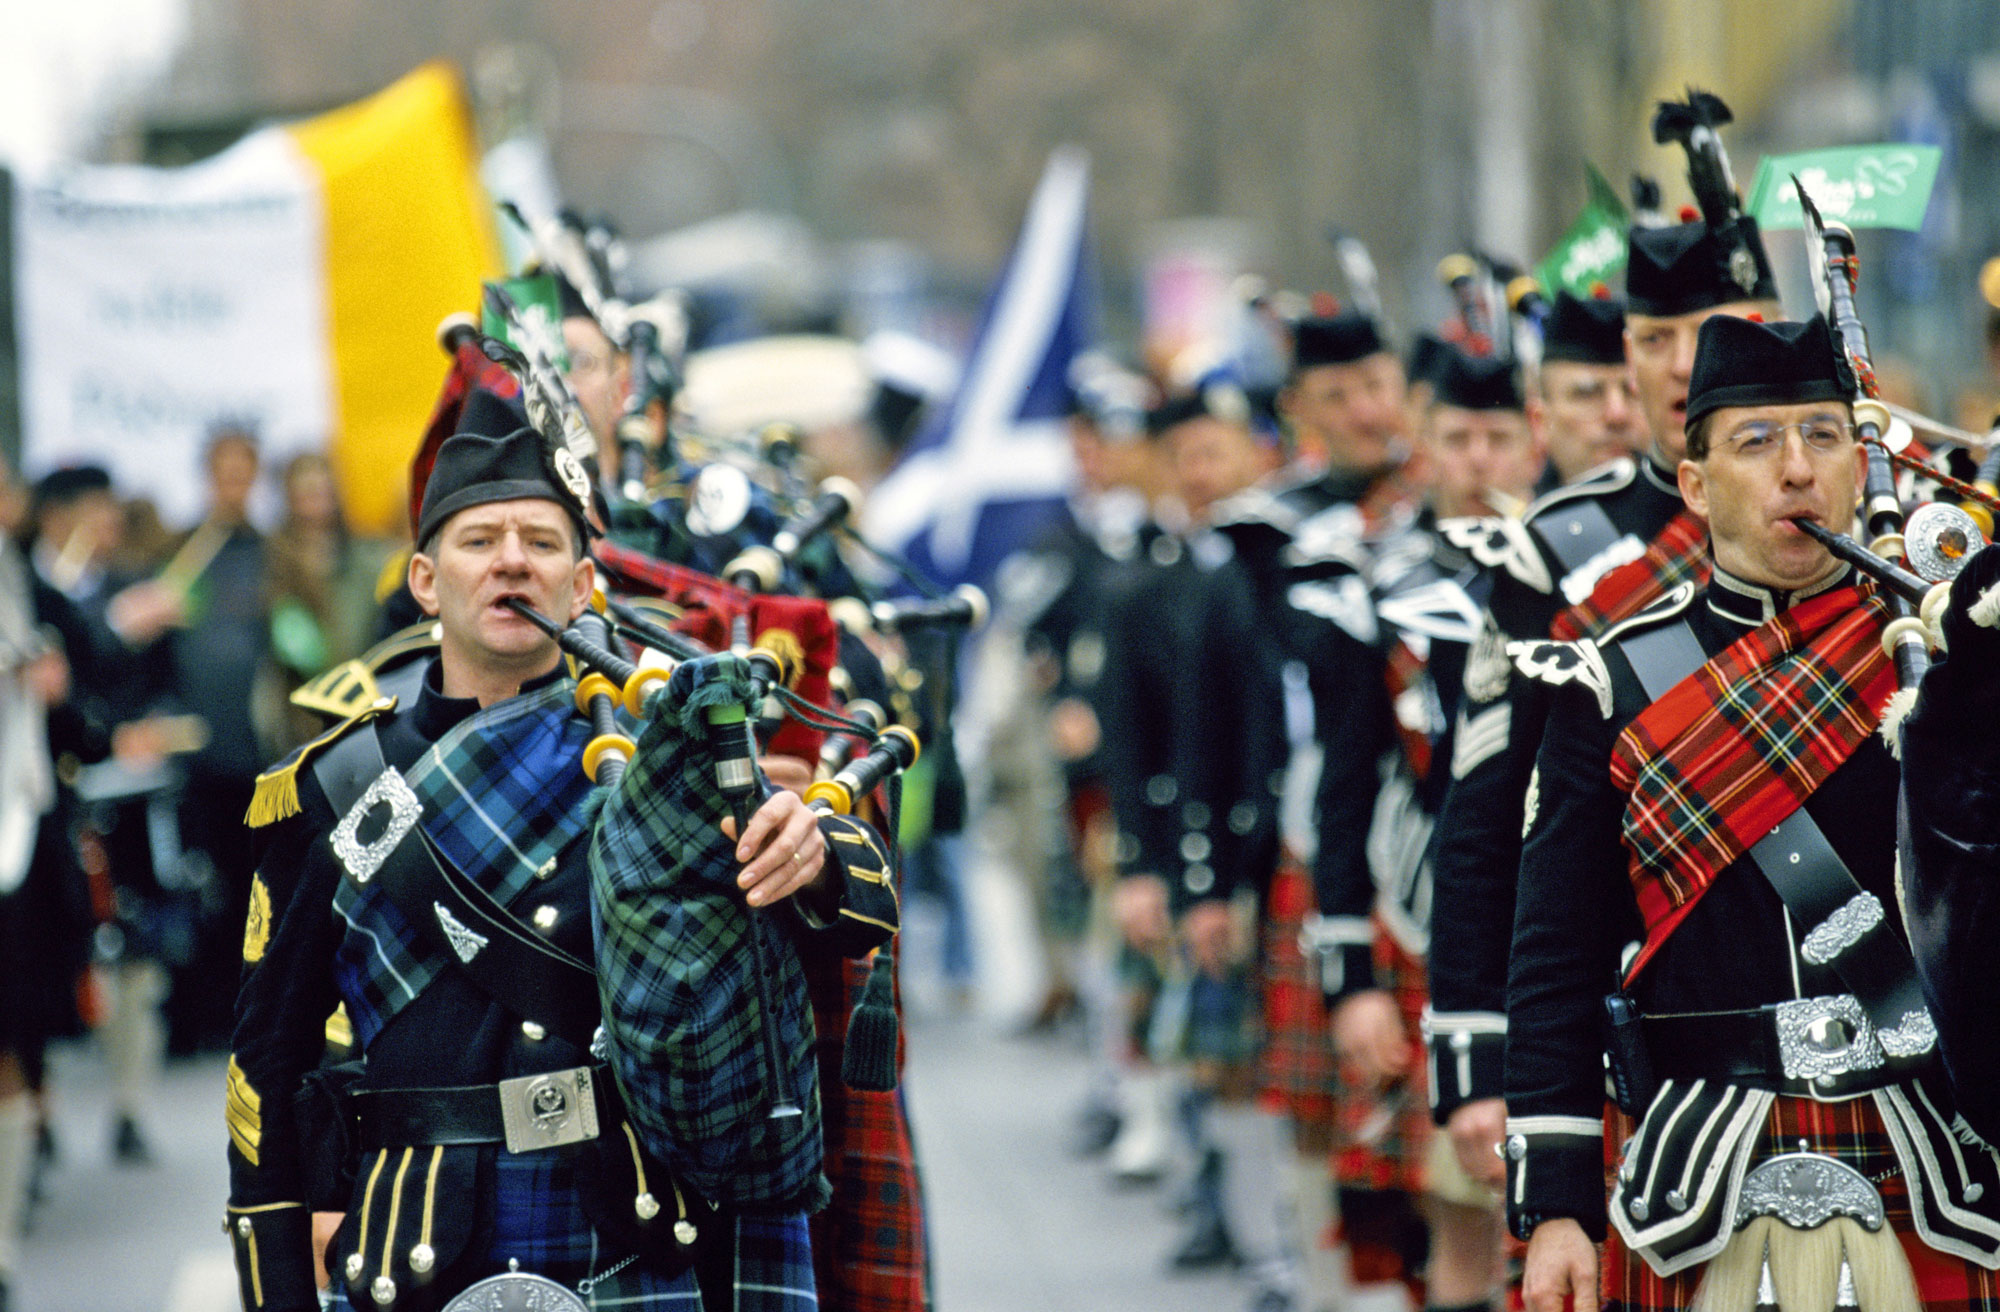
{"x":1594,"y":552}
{"x":1711,"y":833}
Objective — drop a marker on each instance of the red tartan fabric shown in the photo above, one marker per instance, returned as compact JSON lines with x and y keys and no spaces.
{"x":1296,"y":1068}
{"x":1851,"y":1131}
{"x":1679,"y":554}
{"x":1403,"y":670}
{"x":709,"y":607}
{"x":868,"y":1243}
{"x":1381,"y":1135}
{"x":1737,"y":746}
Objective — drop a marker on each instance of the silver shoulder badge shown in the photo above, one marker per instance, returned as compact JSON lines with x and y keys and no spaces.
{"x":1487,"y":669}
{"x":1558,"y":663}
{"x":464,"y":941}
{"x":573,"y":475}
{"x":1500,"y":543}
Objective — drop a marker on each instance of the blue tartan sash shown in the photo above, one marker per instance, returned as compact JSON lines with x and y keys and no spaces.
{"x":675,"y":963}
{"x":503,"y":792}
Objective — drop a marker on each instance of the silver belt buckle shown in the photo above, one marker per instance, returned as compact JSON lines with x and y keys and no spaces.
{"x":548,"y":1110}
{"x":515,"y":1290}
{"x":1822,"y":1039}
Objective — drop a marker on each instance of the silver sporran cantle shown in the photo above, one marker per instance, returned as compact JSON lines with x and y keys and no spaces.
{"x":515,"y":1290}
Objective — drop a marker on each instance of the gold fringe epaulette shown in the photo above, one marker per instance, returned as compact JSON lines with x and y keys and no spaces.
{"x":350,"y":685}
{"x":277,"y":794}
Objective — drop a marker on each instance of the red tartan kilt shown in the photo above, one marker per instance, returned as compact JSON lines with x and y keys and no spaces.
{"x":1295,"y":1072}
{"x":1851,"y":1131}
{"x":868,"y":1243}
{"x":1381,"y":1135}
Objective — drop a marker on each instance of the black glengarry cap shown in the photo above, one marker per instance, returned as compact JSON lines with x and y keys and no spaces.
{"x":1477,"y":382}
{"x":1335,"y":339}
{"x":1690,"y":266}
{"x":474,"y":469}
{"x":1584,"y":331}
{"x":1743,"y":362}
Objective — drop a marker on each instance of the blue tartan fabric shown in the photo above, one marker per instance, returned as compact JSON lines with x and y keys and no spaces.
{"x":502,"y":793}
{"x":538,"y":1212}
{"x":773,"y":1273}
{"x":676,"y":967}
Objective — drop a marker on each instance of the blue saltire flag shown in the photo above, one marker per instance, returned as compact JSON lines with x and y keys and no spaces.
{"x":983,"y":477}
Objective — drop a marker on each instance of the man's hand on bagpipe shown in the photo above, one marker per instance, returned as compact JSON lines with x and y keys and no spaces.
{"x":782,"y":850}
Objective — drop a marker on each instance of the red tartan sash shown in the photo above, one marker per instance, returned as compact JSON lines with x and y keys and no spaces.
{"x":708,"y":608}
{"x":1737,"y":746}
{"x":1404,"y":671}
{"x":1677,"y":555}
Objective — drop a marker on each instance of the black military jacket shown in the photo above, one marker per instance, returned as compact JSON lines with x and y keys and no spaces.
{"x":453,"y":1034}
{"x":1499,"y":727}
{"x":1578,"y":917}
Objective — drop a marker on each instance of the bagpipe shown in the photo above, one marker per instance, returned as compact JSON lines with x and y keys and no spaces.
{"x":1936,"y":540}
{"x":688,"y":675}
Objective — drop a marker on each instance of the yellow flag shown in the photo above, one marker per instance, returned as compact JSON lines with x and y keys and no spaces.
{"x":409,"y":234}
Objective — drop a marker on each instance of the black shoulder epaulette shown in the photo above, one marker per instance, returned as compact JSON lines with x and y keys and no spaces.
{"x":1668,"y":606}
{"x":277,"y":794}
{"x":1582,"y":661}
{"x":1500,"y":542}
{"x":1613,"y":475}
{"x":1256,"y":505}
{"x":1556,"y":663}
{"x":351,"y":685}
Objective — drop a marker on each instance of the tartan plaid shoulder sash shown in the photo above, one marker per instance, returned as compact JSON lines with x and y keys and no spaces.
{"x":1677,"y":555}
{"x":1736,"y":747}
{"x":502,"y":794}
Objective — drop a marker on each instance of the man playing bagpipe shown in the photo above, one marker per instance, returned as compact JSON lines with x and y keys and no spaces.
{"x":550,"y":984}
{"x":1711,"y":833}
{"x":1587,"y":555}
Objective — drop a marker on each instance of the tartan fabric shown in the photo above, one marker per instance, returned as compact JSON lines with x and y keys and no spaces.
{"x":1737,"y":746}
{"x":677,"y":967}
{"x":1851,"y":1131}
{"x":1404,"y":670}
{"x":1381,"y":1135}
{"x":1679,"y":554}
{"x":773,"y":1273}
{"x":709,"y":606}
{"x":1296,"y":1075}
{"x":502,"y":793}
{"x":868,"y":1243}
{"x":538,"y":1213}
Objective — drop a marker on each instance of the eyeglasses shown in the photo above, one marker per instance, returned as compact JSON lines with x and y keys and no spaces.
{"x":1758,"y":438}
{"x":588,"y":362}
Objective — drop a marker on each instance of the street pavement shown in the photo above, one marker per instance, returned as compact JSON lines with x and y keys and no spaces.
{"x":1018,"y":1224}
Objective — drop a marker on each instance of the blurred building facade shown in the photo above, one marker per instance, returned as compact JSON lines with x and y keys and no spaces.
{"x":922,"y":123}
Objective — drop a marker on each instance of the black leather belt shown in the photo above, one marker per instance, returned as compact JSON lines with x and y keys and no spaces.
{"x":531,"y":1112}
{"x":1822,"y":1047}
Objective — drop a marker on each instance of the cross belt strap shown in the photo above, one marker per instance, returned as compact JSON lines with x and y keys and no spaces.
{"x":519,"y":969}
{"x":1846,"y":927}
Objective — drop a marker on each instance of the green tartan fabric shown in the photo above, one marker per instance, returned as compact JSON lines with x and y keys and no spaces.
{"x":676,"y":967}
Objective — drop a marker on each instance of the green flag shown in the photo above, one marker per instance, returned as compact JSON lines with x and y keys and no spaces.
{"x":1593,"y":250}
{"x":539,"y":304}
{"x":1886,"y":186}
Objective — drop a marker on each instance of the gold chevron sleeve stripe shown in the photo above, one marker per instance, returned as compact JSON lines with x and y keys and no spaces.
{"x":244,"y":1108}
